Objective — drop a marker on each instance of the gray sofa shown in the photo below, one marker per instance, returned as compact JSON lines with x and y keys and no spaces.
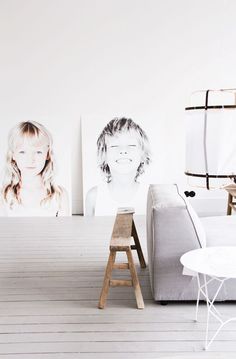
{"x":173,"y":228}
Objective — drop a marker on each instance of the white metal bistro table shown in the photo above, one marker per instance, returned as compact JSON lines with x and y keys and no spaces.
{"x":213,"y":264}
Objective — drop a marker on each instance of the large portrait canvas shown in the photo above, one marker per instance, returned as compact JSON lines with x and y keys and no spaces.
{"x":117,"y":156}
{"x":34,"y":169}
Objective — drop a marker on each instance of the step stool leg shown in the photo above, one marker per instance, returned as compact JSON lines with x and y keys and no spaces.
{"x":138,"y":246}
{"x":137,"y":289}
{"x":229,"y":208}
{"x":107,"y":278}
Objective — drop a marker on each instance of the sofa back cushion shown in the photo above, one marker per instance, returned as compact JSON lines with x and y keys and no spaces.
{"x":197,"y":225}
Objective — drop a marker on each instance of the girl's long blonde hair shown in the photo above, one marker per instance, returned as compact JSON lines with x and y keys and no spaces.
{"x":36,"y":133}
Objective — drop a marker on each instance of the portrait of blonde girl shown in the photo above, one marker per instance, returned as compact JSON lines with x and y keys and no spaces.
{"x":29,"y":187}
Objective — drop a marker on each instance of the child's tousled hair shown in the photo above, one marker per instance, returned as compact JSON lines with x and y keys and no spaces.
{"x":116,"y":126}
{"x":35,"y":133}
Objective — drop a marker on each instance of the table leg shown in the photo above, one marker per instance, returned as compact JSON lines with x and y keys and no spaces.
{"x":208,"y":311}
{"x":211,"y":309}
{"x":198,"y":297}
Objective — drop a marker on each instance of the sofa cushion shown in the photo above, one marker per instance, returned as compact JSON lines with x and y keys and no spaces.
{"x":197,"y":224}
{"x":220,"y":230}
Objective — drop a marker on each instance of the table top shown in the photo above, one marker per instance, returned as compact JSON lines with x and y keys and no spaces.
{"x":213,"y":261}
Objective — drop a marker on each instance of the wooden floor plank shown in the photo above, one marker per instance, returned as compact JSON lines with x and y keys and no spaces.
{"x":78,"y":335}
{"x":111,"y":347}
{"x":121,"y":355}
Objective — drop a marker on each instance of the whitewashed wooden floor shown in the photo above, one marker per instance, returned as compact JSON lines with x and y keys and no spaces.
{"x":51,"y":272}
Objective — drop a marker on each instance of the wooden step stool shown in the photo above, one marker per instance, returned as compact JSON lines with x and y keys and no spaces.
{"x":231,"y":189}
{"x":124,"y":233}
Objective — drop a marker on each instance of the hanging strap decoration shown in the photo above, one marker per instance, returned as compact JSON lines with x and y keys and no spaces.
{"x":204,"y":140}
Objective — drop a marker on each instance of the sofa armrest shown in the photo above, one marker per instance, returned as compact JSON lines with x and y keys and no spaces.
{"x":173,"y":228}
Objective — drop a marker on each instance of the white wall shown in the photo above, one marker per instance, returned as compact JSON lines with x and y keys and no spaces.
{"x":138,"y":58}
